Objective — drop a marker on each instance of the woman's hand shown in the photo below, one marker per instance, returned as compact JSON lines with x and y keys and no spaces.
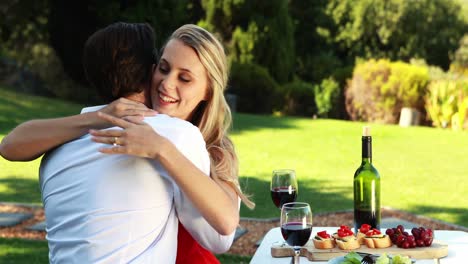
{"x":136,"y":137}
{"x":123,"y":107}
{"x":217,"y":203}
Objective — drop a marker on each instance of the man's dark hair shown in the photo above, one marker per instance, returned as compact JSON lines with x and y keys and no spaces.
{"x":118,"y":59}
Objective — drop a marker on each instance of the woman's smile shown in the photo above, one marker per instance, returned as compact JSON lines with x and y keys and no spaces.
{"x":165,"y":99}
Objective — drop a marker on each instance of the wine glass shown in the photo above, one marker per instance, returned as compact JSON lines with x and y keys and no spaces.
{"x":296,"y":225}
{"x":283,"y":187}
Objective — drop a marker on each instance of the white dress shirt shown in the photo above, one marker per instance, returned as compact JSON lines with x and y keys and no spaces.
{"x":118,"y":208}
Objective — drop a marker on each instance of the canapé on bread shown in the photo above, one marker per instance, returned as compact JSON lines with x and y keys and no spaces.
{"x":360,"y":237}
{"x":375,"y":239}
{"x":345,"y":238}
{"x":361,"y":232}
{"x":323,"y":243}
{"x":378,"y":242}
{"x":348,"y":243}
{"x":323,"y":240}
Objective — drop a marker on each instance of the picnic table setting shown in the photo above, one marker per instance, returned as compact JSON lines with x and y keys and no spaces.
{"x":448,"y":246}
{"x":297,"y":240}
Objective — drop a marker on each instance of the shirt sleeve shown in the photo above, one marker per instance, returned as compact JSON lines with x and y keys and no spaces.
{"x":194,"y":149}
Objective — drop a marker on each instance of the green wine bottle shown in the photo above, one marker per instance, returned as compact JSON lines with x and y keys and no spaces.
{"x":366,"y":187}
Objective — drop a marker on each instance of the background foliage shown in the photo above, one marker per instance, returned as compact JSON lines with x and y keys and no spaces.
{"x":293,"y":57}
{"x":295,"y":41}
{"x":380,"y":89}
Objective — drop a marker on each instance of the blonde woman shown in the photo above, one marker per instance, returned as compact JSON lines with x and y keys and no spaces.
{"x":188,"y":83}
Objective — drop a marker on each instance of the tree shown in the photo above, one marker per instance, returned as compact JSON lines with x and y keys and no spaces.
{"x":315,"y":56}
{"x":164,"y":15}
{"x":24,"y":23}
{"x":396,"y":29}
{"x":258,"y":32}
{"x":72,"y":22}
{"x":460,"y":61}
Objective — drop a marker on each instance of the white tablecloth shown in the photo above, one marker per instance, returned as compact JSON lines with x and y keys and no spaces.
{"x":457,"y":248}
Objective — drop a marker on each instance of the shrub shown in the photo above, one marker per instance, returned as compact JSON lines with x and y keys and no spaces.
{"x":256,"y":91}
{"x":297,"y":98}
{"x":447,"y":103}
{"x":326,"y":96}
{"x":379,"y":89}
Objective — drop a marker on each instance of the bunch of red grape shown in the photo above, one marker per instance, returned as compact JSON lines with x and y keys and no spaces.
{"x":420,"y":237}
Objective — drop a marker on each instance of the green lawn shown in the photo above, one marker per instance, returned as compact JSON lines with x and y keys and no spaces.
{"x":14,"y":251}
{"x":18,"y":180}
{"x":423,"y":169}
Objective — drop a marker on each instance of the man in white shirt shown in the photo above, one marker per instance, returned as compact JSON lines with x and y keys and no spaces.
{"x":118,"y":208}
{"x":114,"y":208}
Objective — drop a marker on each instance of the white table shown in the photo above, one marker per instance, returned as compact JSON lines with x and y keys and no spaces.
{"x":457,"y":247}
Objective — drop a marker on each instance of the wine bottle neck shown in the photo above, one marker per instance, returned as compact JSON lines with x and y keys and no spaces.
{"x":367,"y":149}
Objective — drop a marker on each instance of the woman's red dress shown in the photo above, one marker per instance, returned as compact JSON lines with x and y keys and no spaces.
{"x":190,"y":252}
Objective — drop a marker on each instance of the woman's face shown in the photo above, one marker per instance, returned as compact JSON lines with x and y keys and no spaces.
{"x":179,"y":82}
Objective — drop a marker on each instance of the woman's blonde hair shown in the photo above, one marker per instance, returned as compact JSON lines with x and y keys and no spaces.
{"x":213,"y":116}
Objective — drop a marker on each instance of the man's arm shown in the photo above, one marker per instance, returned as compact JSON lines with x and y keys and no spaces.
{"x":31,"y":139}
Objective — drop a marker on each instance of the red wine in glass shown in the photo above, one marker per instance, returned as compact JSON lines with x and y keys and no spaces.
{"x":283,"y":187}
{"x":296,"y":233}
{"x":282,"y":195}
{"x":296,"y":225}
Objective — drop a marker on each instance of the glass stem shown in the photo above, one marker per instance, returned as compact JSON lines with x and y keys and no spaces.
{"x":297,"y":253}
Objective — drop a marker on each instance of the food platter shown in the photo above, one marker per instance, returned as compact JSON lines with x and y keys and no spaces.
{"x":436,"y":250}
